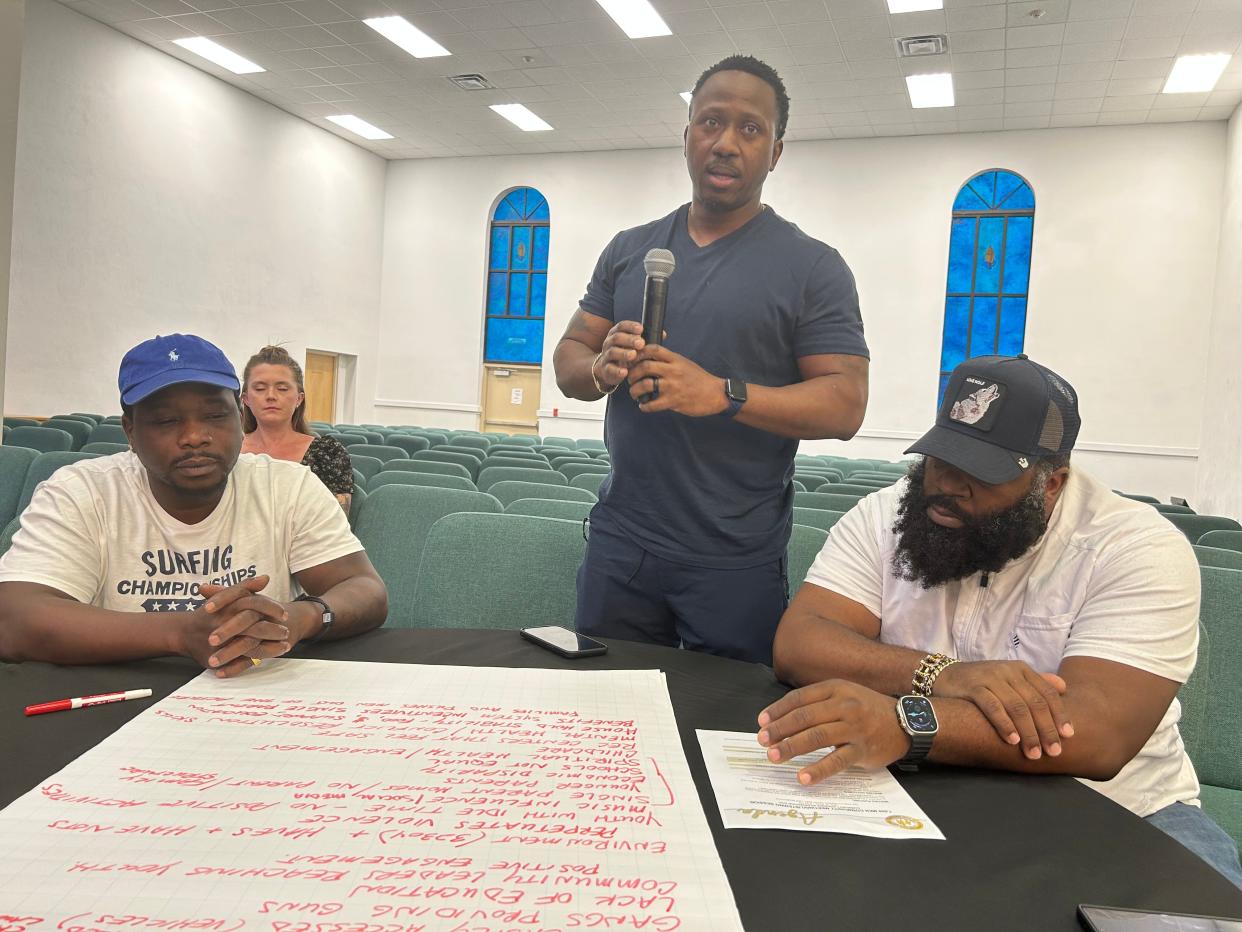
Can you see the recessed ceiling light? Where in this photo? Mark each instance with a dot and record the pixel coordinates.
(1193, 73)
(686, 95)
(214, 52)
(930, 90)
(519, 116)
(359, 126)
(914, 6)
(400, 31)
(638, 19)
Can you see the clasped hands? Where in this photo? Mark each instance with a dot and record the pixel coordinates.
(236, 627)
(683, 386)
(860, 725)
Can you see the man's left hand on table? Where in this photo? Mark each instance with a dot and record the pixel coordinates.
(859, 723)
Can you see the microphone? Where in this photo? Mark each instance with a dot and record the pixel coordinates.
(659, 265)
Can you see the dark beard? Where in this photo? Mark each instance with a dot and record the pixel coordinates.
(932, 555)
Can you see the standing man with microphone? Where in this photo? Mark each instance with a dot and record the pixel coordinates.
(763, 346)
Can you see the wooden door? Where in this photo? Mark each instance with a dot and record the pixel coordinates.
(320, 373)
(511, 398)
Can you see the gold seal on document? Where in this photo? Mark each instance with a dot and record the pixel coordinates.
(907, 822)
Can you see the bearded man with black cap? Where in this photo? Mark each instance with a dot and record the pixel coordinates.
(1000, 608)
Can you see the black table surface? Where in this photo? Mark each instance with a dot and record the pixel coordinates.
(1022, 852)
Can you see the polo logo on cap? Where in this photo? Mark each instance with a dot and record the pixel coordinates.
(172, 355)
(1023, 462)
(972, 408)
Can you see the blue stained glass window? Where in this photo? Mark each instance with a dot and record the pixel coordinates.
(989, 270)
(538, 294)
(517, 279)
(500, 248)
(519, 293)
(521, 247)
(540, 260)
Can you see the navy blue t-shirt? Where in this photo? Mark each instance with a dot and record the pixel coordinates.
(710, 491)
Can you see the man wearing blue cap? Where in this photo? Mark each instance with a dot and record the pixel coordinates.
(1001, 609)
(240, 557)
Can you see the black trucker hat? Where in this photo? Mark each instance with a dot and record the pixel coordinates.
(1000, 414)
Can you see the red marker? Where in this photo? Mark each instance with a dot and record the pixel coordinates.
(61, 705)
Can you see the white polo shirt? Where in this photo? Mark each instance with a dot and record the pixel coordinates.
(1110, 578)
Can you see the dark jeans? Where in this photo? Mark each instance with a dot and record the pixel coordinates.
(627, 592)
(1195, 829)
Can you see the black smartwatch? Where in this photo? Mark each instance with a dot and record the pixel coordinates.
(735, 390)
(327, 616)
(917, 718)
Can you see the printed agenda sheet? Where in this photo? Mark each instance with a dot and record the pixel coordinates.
(753, 792)
(317, 796)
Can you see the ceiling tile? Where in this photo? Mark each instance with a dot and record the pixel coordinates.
(1037, 13)
(1028, 92)
(1034, 57)
(977, 17)
(1085, 71)
(1020, 76)
(1099, 9)
(1080, 91)
(979, 40)
(1095, 30)
(1028, 36)
(1089, 52)
(1149, 48)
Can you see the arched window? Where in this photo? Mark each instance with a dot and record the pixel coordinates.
(517, 278)
(989, 270)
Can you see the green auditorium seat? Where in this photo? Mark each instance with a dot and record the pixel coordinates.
(478, 441)
(93, 418)
(589, 481)
(815, 517)
(79, 430)
(436, 438)
(1140, 498)
(825, 501)
(805, 543)
(1167, 509)
(384, 453)
(393, 525)
(591, 444)
(1195, 526)
(847, 488)
(526, 440)
(108, 433)
(1218, 556)
(434, 455)
(478, 454)
(429, 466)
(493, 474)
(408, 443)
(517, 462)
(21, 422)
(43, 439)
(564, 442)
(14, 465)
(367, 465)
(1213, 695)
(6, 536)
(410, 477)
(530, 564)
(349, 439)
(355, 503)
(572, 470)
(42, 468)
(506, 449)
(550, 508)
(1226, 540)
(511, 490)
(106, 449)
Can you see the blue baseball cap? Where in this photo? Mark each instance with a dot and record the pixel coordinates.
(171, 360)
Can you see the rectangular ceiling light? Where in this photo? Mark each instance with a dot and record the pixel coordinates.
(219, 55)
(1196, 73)
(686, 95)
(400, 31)
(359, 126)
(914, 6)
(930, 90)
(638, 19)
(519, 116)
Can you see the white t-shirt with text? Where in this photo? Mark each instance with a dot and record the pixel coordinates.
(1110, 578)
(95, 532)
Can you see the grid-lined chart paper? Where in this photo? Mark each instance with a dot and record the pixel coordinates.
(318, 796)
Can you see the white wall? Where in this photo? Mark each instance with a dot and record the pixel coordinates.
(12, 16)
(1220, 463)
(153, 198)
(1127, 222)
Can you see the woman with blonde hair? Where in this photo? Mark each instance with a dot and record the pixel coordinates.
(274, 421)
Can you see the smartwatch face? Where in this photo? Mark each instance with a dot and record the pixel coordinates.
(919, 714)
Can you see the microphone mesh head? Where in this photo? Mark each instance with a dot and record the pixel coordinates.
(659, 263)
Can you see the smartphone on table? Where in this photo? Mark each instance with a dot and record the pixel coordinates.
(565, 642)
(1116, 919)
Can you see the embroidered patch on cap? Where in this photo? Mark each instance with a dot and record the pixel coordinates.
(978, 403)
